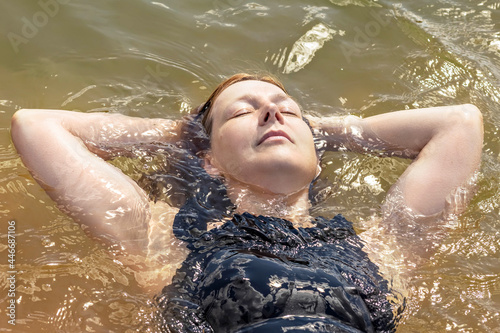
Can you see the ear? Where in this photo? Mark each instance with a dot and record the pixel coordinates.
(208, 165)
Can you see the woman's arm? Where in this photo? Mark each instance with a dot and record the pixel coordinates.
(55, 147)
(446, 143)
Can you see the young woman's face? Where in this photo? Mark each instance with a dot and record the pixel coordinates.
(259, 138)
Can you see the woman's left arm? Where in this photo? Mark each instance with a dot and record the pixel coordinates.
(445, 143)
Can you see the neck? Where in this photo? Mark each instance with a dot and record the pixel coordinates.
(257, 201)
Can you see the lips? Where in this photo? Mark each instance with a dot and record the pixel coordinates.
(274, 134)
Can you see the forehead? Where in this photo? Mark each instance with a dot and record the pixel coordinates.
(250, 88)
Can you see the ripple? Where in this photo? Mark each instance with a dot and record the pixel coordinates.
(305, 47)
(361, 3)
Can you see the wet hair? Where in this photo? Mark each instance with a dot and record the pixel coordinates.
(183, 176)
(205, 109)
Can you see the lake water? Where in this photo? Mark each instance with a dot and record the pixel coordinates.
(161, 58)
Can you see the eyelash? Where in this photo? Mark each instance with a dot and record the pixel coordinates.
(284, 110)
(288, 111)
(241, 112)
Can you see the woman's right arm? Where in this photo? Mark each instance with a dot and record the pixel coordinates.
(66, 151)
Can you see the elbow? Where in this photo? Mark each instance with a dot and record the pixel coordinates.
(19, 118)
(33, 117)
(465, 128)
(472, 113)
(20, 123)
(23, 120)
(30, 123)
(468, 119)
(472, 121)
(23, 115)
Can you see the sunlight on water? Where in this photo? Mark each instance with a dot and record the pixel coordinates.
(162, 58)
(305, 47)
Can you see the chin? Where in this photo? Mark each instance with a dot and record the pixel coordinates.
(277, 174)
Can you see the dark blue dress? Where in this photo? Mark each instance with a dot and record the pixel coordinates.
(261, 274)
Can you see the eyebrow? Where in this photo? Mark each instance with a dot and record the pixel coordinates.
(274, 97)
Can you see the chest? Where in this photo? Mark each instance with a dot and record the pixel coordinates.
(247, 285)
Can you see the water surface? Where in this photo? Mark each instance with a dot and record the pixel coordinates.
(161, 58)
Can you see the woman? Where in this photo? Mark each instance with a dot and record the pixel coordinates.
(265, 263)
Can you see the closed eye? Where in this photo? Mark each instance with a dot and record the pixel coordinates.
(288, 111)
(289, 108)
(242, 112)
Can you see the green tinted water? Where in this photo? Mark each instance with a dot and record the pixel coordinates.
(161, 58)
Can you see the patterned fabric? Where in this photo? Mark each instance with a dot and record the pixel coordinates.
(261, 274)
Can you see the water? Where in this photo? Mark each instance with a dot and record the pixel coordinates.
(160, 58)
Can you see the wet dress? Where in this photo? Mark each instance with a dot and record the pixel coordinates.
(261, 274)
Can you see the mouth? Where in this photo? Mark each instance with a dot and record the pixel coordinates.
(274, 134)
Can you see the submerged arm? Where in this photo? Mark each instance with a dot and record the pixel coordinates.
(55, 147)
(445, 143)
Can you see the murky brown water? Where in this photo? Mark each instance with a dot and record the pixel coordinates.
(160, 58)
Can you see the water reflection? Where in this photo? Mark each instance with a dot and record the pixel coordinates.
(465, 264)
(305, 47)
(159, 58)
(361, 3)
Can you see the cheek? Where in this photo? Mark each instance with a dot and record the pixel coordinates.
(230, 145)
(308, 148)
(230, 139)
(306, 137)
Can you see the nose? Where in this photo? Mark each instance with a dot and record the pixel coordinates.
(270, 113)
